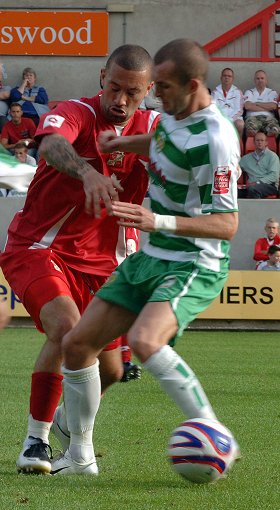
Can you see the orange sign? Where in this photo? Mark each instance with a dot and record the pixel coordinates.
(54, 33)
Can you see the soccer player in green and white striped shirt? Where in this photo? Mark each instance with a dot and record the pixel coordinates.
(182, 268)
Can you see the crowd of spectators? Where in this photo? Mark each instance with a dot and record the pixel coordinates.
(255, 114)
(254, 110)
(20, 110)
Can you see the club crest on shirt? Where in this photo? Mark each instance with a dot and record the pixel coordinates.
(160, 138)
(116, 159)
(53, 120)
(221, 180)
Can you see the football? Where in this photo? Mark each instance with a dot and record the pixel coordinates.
(202, 450)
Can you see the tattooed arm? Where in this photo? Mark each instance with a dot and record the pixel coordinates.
(59, 153)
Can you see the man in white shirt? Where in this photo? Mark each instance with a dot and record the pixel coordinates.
(260, 104)
(230, 99)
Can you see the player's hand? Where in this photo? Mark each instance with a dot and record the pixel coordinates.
(133, 215)
(108, 141)
(99, 188)
(4, 317)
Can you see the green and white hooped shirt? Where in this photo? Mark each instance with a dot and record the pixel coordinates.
(193, 171)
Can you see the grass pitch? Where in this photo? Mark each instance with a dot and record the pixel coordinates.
(240, 374)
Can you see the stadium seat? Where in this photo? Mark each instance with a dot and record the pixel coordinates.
(272, 143)
(241, 147)
(241, 183)
(249, 145)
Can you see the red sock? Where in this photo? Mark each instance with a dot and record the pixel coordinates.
(125, 350)
(46, 390)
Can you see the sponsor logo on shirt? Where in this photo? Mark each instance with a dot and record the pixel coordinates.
(221, 180)
(53, 120)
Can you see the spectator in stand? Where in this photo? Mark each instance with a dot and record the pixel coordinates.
(260, 104)
(263, 243)
(230, 99)
(32, 97)
(18, 129)
(21, 154)
(262, 170)
(4, 97)
(273, 262)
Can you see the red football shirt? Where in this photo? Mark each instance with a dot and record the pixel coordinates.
(15, 132)
(53, 215)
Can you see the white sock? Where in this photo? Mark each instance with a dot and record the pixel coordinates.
(37, 429)
(61, 418)
(82, 391)
(178, 380)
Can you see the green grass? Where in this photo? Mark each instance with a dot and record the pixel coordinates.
(240, 373)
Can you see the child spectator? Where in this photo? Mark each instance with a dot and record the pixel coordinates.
(273, 262)
(21, 153)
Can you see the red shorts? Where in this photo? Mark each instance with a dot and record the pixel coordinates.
(38, 276)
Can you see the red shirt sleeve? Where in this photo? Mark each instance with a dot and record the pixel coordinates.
(66, 119)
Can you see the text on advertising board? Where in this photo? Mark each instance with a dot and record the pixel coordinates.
(54, 33)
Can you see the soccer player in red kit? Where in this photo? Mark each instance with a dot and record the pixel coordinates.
(65, 242)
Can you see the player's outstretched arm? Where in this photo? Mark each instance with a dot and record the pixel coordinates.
(59, 153)
(217, 225)
(109, 141)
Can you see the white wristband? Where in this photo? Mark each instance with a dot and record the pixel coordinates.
(165, 223)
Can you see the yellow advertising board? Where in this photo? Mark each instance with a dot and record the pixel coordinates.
(246, 295)
(14, 305)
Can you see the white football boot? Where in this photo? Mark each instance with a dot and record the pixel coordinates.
(65, 465)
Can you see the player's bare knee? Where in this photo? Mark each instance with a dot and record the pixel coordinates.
(58, 328)
(141, 343)
(73, 352)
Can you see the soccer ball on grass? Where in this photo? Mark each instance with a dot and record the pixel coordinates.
(202, 450)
